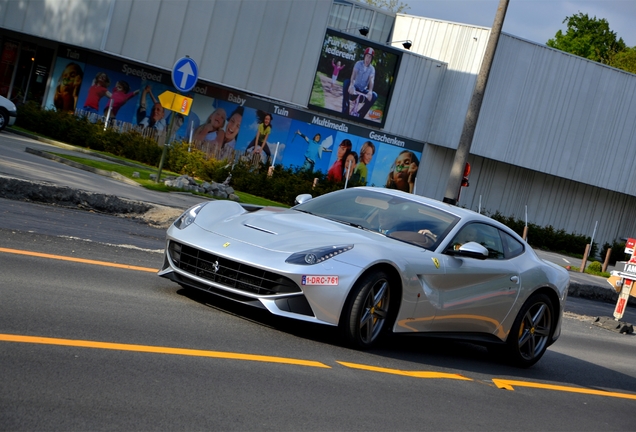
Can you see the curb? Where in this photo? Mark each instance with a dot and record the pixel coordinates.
(597, 293)
(23, 190)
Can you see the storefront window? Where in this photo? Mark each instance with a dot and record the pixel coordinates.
(8, 57)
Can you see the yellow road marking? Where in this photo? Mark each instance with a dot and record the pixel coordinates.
(159, 350)
(500, 383)
(414, 374)
(509, 385)
(79, 260)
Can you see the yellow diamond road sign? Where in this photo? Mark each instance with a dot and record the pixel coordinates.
(175, 102)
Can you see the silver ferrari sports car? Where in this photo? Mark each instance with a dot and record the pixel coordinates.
(373, 261)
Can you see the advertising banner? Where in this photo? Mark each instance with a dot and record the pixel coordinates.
(225, 123)
(354, 78)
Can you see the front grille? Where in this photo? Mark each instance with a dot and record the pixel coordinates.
(229, 273)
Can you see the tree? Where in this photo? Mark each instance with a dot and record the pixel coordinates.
(588, 37)
(393, 5)
(625, 60)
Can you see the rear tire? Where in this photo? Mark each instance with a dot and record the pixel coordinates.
(366, 312)
(531, 332)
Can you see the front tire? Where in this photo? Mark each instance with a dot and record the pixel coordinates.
(4, 119)
(531, 332)
(366, 313)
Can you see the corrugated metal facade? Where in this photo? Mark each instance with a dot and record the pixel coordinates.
(564, 204)
(556, 133)
(559, 114)
(415, 96)
(461, 47)
(267, 48)
(74, 22)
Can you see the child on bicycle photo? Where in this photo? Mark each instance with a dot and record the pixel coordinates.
(358, 95)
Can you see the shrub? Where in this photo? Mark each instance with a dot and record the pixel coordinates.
(183, 159)
(595, 266)
(617, 254)
(548, 238)
(78, 131)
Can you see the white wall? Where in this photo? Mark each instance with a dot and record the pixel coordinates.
(267, 48)
(415, 97)
(262, 47)
(75, 22)
(559, 114)
(543, 109)
(461, 47)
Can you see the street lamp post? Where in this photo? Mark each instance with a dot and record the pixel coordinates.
(470, 123)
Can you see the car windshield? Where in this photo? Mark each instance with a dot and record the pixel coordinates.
(395, 217)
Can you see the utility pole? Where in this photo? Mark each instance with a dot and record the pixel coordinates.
(470, 123)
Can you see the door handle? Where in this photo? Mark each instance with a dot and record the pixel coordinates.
(514, 279)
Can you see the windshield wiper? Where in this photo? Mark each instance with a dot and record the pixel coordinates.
(304, 211)
(352, 224)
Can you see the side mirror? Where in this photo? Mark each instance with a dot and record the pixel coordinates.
(471, 250)
(303, 198)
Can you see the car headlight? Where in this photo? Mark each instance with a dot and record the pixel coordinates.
(187, 218)
(315, 256)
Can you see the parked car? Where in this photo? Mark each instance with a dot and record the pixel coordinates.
(374, 261)
(8, 113)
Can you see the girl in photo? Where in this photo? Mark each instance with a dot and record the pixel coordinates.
(403, 172)
(336, 172)
(97, 90)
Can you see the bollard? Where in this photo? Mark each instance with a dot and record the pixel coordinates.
(607, 258)
(525, 233)
(584, 261)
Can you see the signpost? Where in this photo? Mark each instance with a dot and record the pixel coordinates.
(624, 281)
(628, 276)
(185, 74)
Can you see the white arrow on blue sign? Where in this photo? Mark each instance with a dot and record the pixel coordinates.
(185, 74)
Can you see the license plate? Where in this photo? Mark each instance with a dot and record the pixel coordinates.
(320, 280)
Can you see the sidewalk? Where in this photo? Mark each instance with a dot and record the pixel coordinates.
(30, 175)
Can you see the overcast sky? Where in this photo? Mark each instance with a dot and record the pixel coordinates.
(534, 20)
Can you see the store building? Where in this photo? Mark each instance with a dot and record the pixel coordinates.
(555, 138)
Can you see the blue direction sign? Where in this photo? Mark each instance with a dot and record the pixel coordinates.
(185, 74)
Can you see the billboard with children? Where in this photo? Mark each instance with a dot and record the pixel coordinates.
(354, 78)
(226, 124)
(66, 82)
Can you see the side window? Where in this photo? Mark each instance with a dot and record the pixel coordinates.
(512, 246)
(486, 235)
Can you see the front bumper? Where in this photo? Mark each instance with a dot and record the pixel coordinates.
(254, 276)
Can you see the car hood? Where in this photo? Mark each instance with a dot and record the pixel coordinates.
(278, 229)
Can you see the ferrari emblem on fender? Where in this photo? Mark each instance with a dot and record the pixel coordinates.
(436, 262)
(226, 244)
